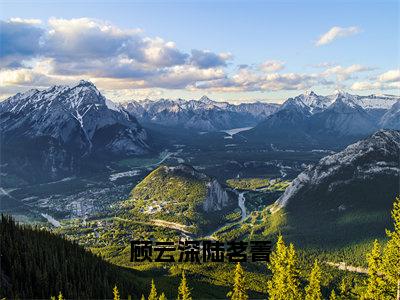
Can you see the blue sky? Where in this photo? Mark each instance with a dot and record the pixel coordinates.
(229, 50)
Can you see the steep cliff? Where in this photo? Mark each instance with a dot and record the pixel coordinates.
(182, 195)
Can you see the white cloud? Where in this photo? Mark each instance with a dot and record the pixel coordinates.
(385, 81)
(365, 85)
(368, 85)
(270, 66)
(345, 73)
(26, 21)
(248, 80)
(62, 51)
(390, 76)
(336, 32)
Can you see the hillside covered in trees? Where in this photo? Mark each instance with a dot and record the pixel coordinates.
(38, 264)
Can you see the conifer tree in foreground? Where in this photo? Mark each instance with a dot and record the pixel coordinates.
(60, 296)
(153, 291)
(344, 289)
(239, 286)
(313, 290)
(162, 297)
(116, 293)
(333, 295)
(183, 290)
(284, 283)
(375, 283)
(391, 255)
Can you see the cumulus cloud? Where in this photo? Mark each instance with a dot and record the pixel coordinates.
(85, 47)
(390, 76)
(368, 85)
(385, 81)
(345, 73)
(270, 66)
(336, 32)
(19, 40)
(61, 51)
(249, 80)
(206, 59)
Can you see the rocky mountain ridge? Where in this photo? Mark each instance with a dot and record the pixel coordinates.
(62, 125)
(203, 114)
(374, 156)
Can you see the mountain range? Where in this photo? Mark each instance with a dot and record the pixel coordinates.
(53, 130)
(58, 130)
(346, 196)
(203, 114)
(337, 120)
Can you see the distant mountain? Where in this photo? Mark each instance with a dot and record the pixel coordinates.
(344, 117)
(55, 129)
(289, 123)
(347, 195)
(311, 120)
(180, 197)
(391, 119)
(203, 114)
(314, 102)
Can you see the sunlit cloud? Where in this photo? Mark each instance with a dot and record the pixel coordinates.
(272, 66)
(388, 80)
(345, 73)
(335, 33)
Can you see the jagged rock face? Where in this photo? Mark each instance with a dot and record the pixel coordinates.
(369, 159)
(391, 119)
(314, 102)
(203, 114)
(217, 197)
(65, 124)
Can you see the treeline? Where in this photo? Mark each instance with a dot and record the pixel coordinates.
(38, 264)
(383, 280)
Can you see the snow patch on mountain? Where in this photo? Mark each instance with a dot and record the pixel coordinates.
(365, 158)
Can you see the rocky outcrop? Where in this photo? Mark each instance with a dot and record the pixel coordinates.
(368, 159)
(217, 197)
(391, 119)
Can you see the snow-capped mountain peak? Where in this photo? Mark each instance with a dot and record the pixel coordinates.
(78, 119)
(205, 99)
(314, 102)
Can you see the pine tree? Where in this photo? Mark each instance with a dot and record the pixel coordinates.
(344, 289)
(391, 255)
(116, 293)
(293, 273)
(375, 283)
(313, 290)
(60, 296)
(153, 291)
(333, 295)
(142, 298)
(162, 297)
(239, 286)
(183, 290)
(284, 283)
